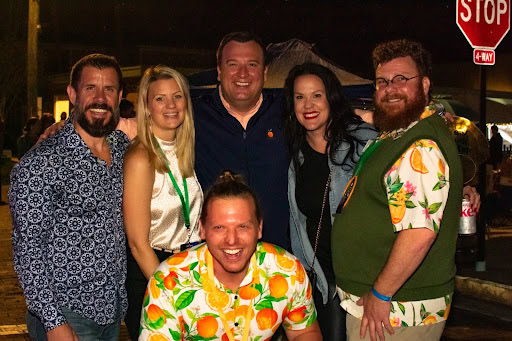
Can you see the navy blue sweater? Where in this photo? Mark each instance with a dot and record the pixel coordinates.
(259, 153)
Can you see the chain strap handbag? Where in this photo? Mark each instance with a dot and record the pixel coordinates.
(311, 272)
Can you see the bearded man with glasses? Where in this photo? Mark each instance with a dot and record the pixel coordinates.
(395, 267)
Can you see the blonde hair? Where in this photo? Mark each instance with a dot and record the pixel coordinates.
(185, 134)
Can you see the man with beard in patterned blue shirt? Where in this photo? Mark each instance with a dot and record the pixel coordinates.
(65, 195)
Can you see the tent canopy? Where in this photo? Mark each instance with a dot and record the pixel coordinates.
(282, 57)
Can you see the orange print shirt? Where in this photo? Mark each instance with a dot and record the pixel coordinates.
(182, 304)
(417, 186)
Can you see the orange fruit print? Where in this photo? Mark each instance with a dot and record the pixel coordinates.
(158, 337)
(155, 290)
(266, 318)
(207, 326)
(397, 213)
(177, 258)
(300, 272)
(170, 280)
(217, 299)
(440, 164)
(247, 292)
(417, 162)
(269, 248)
(309, 291)
(241, 311)
(285, 263)
(297, 314)
(278, 286)
(225, 336)
(430, 320)
(156, 317)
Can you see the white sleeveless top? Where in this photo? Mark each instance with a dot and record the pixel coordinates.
(168, 230)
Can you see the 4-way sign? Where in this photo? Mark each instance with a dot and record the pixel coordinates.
(484, 24)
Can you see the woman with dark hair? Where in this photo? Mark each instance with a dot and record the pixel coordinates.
(326, 139)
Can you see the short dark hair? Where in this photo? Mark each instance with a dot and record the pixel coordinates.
(241, 37)
(97, 60)
(230, 185)
(390, 50)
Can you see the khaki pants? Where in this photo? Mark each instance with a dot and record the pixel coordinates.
(432, 332)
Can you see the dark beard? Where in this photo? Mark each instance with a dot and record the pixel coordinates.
(385, 120)
(96, 128)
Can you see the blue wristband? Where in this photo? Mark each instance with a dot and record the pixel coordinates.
(380, 296)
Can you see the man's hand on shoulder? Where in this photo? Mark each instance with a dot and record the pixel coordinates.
(375, 315)
(62, 333)
(51, 130)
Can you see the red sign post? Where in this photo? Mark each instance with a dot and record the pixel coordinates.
(484, 22)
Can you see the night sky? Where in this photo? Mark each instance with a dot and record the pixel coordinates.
(343, 31)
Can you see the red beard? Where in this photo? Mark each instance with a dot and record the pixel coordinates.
(388, 118)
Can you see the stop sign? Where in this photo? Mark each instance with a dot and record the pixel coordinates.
(483, 22)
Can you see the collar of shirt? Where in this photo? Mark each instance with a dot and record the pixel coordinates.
(115, 139)
(201, 253)
(243, 118)
(395, 134)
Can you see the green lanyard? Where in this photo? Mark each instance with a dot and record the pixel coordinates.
(185, 205)
(366, 155)
(347, 193)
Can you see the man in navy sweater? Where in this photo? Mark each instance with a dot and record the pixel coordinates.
(238, 128)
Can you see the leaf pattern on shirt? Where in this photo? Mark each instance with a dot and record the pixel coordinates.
(181, 302)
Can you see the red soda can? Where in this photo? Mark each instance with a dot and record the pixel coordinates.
(467, 223)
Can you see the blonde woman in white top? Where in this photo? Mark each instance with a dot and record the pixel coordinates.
(162, 198)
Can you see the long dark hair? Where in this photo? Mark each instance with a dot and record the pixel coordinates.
(342, 119)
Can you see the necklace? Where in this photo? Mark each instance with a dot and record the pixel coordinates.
(255, 280)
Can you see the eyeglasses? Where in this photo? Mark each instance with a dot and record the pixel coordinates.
(398, 81)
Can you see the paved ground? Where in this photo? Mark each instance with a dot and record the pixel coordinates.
(471, 318)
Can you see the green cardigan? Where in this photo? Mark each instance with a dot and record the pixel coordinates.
(363, 234)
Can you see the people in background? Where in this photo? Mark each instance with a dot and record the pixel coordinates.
(495, 147)
(127, 109)
(29, 137)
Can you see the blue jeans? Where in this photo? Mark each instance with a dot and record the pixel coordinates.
(85, 329)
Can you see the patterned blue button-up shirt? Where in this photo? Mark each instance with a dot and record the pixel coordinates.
(68, 235)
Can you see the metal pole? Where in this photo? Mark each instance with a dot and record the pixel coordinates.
(480, 258)
(33, 26)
